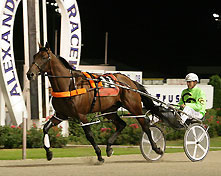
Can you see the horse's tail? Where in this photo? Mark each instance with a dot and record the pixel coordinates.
(147, 102)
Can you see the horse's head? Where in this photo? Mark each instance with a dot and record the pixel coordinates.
(41, 63)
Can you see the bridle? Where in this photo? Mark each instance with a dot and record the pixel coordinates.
(47, 60)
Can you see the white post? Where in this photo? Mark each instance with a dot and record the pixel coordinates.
(45, 40)
(24, 141)
(37, 19)
(26, 91)
(25, 30)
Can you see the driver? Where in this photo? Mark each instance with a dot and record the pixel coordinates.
(193, 99)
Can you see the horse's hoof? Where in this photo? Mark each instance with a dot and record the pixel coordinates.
(49, 155)
(100, 162)
(110, 152)
(159, 151)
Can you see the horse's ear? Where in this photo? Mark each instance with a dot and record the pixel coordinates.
(39, 44)
(47, 46)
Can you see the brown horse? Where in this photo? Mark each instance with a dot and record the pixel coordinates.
(65, 79)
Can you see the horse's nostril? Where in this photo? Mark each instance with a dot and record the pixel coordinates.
(30, 75)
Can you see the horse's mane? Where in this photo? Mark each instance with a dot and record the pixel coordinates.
(63, 61)
(66, 64)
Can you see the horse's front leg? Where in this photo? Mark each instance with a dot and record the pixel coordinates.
(90, 138)
(54, 121)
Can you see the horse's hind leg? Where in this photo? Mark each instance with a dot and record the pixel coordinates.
(50, 123)
(120, 125)
(146, 128)
(135, 108)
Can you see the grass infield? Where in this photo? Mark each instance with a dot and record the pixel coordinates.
(39, 153)
(16, 154)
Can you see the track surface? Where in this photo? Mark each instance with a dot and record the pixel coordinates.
(176, 164)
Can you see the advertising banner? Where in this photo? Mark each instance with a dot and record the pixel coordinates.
(172, 93)
(70, 47)
(8, 75)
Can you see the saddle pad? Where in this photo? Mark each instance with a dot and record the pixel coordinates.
(108, 89)
(105, 89)
(104, 92)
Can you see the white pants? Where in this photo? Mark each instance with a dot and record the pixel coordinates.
(190, 111)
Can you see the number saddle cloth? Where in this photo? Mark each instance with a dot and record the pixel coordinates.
(103, 89)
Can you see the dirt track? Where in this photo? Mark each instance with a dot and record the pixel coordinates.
(176, 164)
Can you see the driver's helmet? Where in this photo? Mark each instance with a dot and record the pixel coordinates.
(192, 77)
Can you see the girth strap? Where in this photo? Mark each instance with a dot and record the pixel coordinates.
(69, 93)
(95, 85)
(96, 90)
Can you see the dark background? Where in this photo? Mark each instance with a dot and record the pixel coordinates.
(160, 38)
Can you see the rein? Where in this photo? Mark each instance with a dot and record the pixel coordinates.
(52, 76)
(71, 92)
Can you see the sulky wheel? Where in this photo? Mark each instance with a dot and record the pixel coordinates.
(196, 142)
(145, 145)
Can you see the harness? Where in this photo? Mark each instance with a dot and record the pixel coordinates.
(91, 81)
(94, 81)
(69, 93)
(95, 85)
(80, 91)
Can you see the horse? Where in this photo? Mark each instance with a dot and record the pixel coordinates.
(64, 78)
